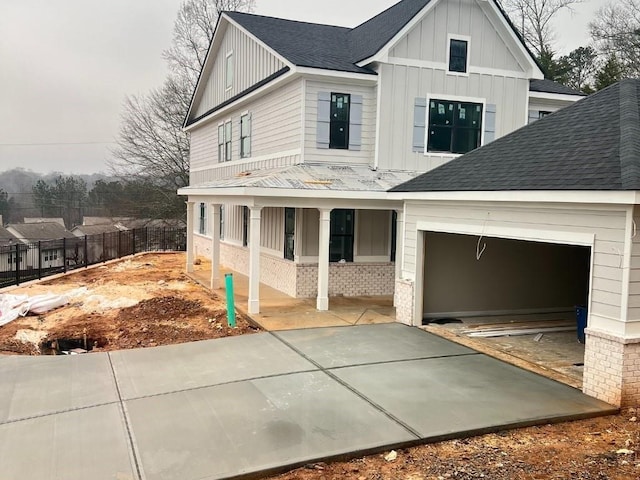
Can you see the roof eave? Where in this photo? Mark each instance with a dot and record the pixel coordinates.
(607, 197)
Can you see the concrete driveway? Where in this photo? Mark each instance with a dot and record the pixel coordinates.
(222, 408)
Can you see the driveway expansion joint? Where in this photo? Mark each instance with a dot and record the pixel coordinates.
(132, 443)
(57, 412)
(351, 389)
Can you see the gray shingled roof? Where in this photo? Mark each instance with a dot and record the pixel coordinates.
(327, 46)
(339, 48)
(593, 144)
(40, 231)
(549, 86)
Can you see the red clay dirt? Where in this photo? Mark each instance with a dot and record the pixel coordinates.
(148, 300)
(144, 301)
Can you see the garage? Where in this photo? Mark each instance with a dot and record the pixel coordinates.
(513, 296)
(509, 227)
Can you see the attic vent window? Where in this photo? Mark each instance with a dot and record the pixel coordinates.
(458, 50)
(229, 70)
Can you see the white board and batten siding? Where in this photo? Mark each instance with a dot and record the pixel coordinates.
(363, 98)
(275, 136)
(416, 71)
(633, 308)
(251, 64)
(608, 225)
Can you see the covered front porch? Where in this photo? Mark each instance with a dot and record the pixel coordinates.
(312, 232)
(279, 311)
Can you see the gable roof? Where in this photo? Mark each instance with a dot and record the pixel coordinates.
(337, 48)
(549, 86)
(593, 144)
(40, 231)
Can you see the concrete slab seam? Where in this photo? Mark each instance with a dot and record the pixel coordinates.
(230, 382)
(353, 390)
(57, 412)
(402, 360)
(133, 448)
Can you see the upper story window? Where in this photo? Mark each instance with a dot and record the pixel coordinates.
(458, 55)
(454, 127)
(543, 113)
(221, 143)
(228, 74)
(339, 117)
(245, 135)
(227, 141)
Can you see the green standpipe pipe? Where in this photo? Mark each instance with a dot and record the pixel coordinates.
(231, 307)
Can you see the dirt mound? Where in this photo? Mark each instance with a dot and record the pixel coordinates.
(140, 302)
(162, 308)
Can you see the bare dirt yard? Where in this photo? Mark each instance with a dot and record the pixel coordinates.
(147, 300)
(143, 301)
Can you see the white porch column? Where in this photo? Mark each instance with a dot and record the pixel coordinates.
(322, 302)
(190, 207)
(254, 259)
(214, 221)
(399, 245)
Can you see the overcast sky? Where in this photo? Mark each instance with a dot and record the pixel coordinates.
(66, 66)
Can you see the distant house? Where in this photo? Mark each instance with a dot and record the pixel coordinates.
(59, 221)
(89, 221)
(102, 240)
(48, 236)
(9, 246)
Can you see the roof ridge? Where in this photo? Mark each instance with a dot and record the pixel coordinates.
(629, 135)
(233, 12)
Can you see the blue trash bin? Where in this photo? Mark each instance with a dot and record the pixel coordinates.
(581, 320)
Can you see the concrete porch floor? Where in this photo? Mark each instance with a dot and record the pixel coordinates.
(279, 311)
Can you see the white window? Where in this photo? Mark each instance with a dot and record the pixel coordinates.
(245, 135)
(221, 143)
(458, 54)
(229, 71)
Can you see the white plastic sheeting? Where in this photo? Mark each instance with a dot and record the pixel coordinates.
(14, 306)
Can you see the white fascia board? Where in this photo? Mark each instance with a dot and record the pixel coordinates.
(555, 96)
(618, 197)
(274, 197)
(246, 98)
(534, 72)
(324, 74)
(382, 55)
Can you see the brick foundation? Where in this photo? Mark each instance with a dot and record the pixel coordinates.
(403, 300)
(301, 280)
(348, 279)
(612, 368)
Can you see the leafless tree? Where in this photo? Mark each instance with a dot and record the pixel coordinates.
(616, 31)
(534, 19)
(193, 31)
(152, 146)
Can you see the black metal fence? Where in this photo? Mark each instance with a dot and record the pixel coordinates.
(23, 262)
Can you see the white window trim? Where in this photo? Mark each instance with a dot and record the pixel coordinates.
(451, 98)
(228, 86)
(221, 159)
(225, 123)
(464, 38)
(246, 113)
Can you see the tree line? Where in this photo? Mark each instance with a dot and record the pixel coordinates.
(69, 198)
